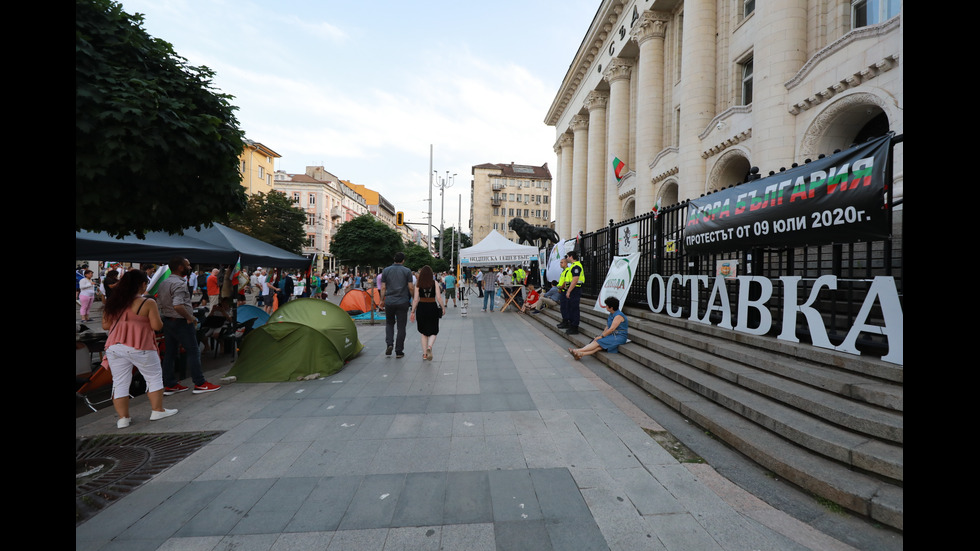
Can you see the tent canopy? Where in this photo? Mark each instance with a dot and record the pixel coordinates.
(496, 249)
(303, 337)
(215, 245)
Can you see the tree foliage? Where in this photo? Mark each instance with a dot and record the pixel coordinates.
(365, 241)
(450, 249)
(156, 148)
(417, 256)
(273, 218)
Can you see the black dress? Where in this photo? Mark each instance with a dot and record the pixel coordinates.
(427, 313)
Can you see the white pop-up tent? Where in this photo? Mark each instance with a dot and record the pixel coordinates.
(495, 249)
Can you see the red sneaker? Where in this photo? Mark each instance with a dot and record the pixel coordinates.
(206, 387)
(171, 390)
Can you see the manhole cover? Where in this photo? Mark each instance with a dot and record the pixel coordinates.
(109, 467)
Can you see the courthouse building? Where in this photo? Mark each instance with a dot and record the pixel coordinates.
(688, 95)
(501, 192)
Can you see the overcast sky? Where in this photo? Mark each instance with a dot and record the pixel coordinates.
(363, 88)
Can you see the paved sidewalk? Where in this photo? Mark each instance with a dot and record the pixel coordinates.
(502, 442)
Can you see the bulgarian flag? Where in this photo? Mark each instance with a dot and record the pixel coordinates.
(656, 208)
(237, 270)
(159, 276)
(618, 167)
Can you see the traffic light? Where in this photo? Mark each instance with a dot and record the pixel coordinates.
(399, 218)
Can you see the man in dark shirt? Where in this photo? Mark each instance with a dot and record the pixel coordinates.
(397, 291)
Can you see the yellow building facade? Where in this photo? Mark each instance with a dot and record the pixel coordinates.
(257, 166)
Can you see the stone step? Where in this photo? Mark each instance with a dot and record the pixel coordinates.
(832, 400)
(794, 416)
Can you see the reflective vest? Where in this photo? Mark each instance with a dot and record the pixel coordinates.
(565, 278)
(581, 274)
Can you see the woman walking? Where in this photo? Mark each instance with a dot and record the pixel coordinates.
(615, 334)
(131, 321)
(86, 295)
(430, 305)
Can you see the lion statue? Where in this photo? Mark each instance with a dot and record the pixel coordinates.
(532, 235)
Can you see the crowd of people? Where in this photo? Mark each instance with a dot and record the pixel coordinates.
(132, 319)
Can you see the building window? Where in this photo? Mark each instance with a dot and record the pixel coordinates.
(748, 6)
(496, 211)
(545, 199)
(243, 166)
(312, 199)
(510, 212)
(872, 12)
(746, 89)
(296, 197)
(261, 171)
(311, 240)
(311, 219)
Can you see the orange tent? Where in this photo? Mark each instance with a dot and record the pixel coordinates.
(358, 301)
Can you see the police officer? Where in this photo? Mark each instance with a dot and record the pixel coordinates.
(576, 278)
(563, 280)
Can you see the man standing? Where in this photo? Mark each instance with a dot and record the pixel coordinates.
(397, 291)
(479, 282)
(563, 280)
(574, 292)
(214, 290)
(180, 330)
(450, 281)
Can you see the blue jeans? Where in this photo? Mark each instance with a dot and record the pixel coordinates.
(488, 294)
(396, 314)
(177, 333)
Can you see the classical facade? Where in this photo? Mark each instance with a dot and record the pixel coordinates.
(257, 166)
(323, 202)
(500, 192)
(689, 95)
(381, 208)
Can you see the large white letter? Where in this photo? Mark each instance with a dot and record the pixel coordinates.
(674, 278)
(744, 303)
(663, 293)
(720, 290)
(883, 289)
(818, 333)
(695, 281)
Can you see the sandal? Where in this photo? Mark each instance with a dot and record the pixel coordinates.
(574, 355)
(430, 353)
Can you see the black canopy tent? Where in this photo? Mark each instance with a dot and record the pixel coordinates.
(215, 245)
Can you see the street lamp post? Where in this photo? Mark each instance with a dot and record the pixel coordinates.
(445, 183)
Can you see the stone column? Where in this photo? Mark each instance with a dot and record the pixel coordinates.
(698, 73)
(564, 225)
(649, 35)
(595, 193)
(555, 206)
(780, 51)
(617, 74)
(580, 175)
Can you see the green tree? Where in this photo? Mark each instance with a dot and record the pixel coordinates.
(156, 148)
(417, 256)
(365, 241)
(273, 218)
(450, 249)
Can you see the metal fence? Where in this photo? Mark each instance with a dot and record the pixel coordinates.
(661, 247)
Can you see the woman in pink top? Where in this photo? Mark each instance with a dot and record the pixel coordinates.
(131, 321)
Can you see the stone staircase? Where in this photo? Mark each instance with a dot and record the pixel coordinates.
(829, 422)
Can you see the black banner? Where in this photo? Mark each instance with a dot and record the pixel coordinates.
(839, 198)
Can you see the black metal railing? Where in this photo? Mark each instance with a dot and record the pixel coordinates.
(661, 246)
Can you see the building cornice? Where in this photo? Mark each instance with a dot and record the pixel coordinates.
(886, 63)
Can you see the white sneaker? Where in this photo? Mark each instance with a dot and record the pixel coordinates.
(157, 415)
(123, 422)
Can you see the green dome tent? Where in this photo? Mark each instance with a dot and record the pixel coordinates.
(303, 337)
